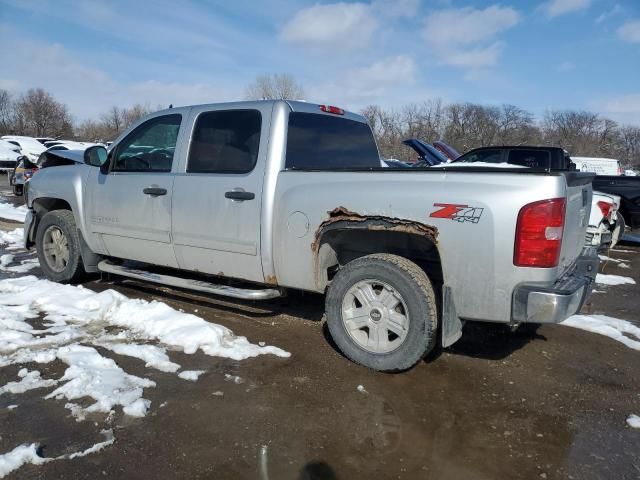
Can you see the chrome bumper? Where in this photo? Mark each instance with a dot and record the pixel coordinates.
(538, 304)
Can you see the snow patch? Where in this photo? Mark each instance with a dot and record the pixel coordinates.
(11, 212)
(614, 280)
(19, 456)
(30, 381)
(191, 375)
(92, 375)
(13, 239)
(24, 454)
(233, 378)
(137, 408)
(622, 331)
(109, 439)
(154, 356)
(633, 421)
(478, 164)
(25, 265)
(73, 314)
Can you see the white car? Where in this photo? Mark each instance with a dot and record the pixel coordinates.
(29, 146)
(9, 154)
(605, 226)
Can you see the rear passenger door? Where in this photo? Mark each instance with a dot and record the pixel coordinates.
(218, 195)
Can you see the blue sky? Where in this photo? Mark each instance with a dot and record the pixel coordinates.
(546, 54)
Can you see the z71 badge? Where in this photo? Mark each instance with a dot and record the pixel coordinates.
(459, 213)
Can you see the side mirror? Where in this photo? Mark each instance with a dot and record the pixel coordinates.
(95, 156)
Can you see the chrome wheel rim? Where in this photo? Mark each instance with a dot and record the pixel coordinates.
(56, 249)
(375, 316)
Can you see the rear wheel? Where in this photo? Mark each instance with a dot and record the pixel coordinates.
(58, 246)
(18, 190)
(381, 312)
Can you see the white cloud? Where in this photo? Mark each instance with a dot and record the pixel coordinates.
(396, 8)
(472, 42)
(608, 14)
(89, 91)
(335, 25)
(555, 8)
(630, 31)
(623, 108)
(389, 80)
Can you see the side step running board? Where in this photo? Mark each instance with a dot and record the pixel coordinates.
(200, 286)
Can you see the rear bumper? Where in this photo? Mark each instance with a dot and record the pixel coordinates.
(538, 304)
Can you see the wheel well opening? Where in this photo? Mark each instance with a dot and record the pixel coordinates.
(46, 205)
(338, 247)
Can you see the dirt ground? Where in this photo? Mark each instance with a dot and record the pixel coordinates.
(543, 402)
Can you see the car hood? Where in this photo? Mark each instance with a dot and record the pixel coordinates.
(54, 158)
(427, 152)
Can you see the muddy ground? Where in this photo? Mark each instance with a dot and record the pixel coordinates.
(543, 402)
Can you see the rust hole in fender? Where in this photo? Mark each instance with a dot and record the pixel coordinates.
(342, 218)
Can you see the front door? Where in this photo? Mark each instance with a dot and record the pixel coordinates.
(131, 205)
(216, 201)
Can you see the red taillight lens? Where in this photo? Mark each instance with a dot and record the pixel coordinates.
(539, 234)
(605, 208)
(332, 109)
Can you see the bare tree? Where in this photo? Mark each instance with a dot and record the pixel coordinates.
(6, 113)
(133, 114)
(39, 114)
(629, 145)
(280, 86)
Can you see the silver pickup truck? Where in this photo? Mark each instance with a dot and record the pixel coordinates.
(291, 195)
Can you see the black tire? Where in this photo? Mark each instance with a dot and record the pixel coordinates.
(412, 284)
(64, 221)
(18, 190)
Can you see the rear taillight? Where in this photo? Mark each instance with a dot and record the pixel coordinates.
(539, 234)
(332, 109)
(605, 208)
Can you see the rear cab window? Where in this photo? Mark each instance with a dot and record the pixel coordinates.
(326, 142)
(225, 141)
(484, 156)
(530, 158)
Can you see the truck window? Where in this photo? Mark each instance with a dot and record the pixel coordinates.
(323, 142)
(485, 156)
(225, 142)
(529, 158)
(150, 147)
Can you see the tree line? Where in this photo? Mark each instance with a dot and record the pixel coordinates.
(469, 125)
(463, 125)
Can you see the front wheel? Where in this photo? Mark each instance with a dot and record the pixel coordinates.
(58, 246)
(381, 312)
(18, 190)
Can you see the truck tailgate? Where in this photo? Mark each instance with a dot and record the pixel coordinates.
(579, 193)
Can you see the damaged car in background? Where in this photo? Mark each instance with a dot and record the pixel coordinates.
(291, 195)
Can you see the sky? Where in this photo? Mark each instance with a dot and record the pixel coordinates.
(536, 54)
